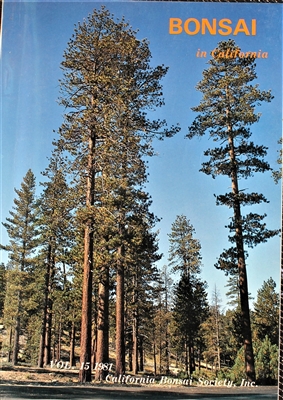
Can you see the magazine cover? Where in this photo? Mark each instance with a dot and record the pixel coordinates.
(140, 199)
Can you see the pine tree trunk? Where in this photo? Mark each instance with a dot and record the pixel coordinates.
(141, 354)
(17, 332)
(243, 280)
(72, 344)
(10, 345)
(244, 298)
(135, 345)
(102, 351)
(48, 336)
(154, 358)
(59, 340)
(120, 314)
(192, 359)
(167, 352)
(94, 348)
(160, 353)
(86, 322)
(85, 358)
(44, 321)
(130, 353)
(41, 346)
(45, 339)
(187, 356)
(16, 342)
(135, 328)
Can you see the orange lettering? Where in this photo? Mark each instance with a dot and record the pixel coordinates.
(197, 26)
(224, 23)
(253, 27)
(206, 24)
(241, 27)
(175, 26)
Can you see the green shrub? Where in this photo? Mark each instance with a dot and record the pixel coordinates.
(266, 363)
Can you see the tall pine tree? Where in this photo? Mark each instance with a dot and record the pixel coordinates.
(226, 112)
(190, 300)
(56, 239)
(108, 85)
(22, 230)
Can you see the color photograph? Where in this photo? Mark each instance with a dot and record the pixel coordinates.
(140, 199)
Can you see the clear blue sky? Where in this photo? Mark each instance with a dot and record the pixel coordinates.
(35, 35)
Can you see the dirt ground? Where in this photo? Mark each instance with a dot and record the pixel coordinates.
(45, 376)
(20, 375)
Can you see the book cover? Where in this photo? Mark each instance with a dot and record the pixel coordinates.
(141, 197)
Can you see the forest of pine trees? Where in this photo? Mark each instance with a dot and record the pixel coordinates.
(81, 284)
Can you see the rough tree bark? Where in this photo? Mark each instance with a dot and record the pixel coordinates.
(243, 280)
(120, 314)
(102, 351)
(86, 322)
